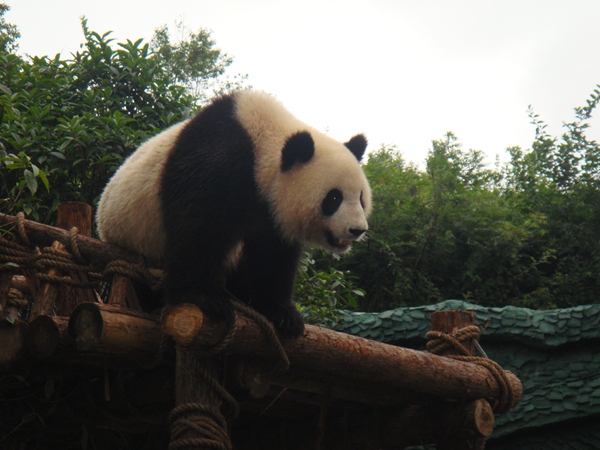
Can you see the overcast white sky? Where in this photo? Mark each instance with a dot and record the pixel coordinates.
(402, 72)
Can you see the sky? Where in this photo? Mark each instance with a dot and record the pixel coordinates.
(404, 72)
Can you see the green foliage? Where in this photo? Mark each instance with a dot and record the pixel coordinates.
(193, 61)
(9, 33)
(68, 124)
(321, 293)
(525, 233)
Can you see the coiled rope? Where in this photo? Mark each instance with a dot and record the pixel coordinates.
(439, 343)
(194, 425)
(26, 255)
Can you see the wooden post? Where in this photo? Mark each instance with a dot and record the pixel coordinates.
(75, 214)
(5, 285)
(12, 329)
(197, 379)
(197, 418)
(79, 215)
(479, 413)
(452, 321)
(44, 301)
(122, 293)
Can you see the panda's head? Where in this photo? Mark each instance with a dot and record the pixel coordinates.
(321, 195)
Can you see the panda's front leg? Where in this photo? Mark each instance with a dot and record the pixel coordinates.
(265, 278)
(196, 274)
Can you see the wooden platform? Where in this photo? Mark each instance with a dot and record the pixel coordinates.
(340, 391)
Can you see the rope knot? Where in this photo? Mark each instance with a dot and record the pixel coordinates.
(439, 343)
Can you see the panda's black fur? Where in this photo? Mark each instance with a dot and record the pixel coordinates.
(222, 234)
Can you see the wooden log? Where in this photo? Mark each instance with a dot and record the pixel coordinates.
(354, 358)
(248, 377)
(118, 291)
(454, 422)
(19, 282)
(92, 250)
(46, 335)
(366, 428)
(183, 323)
(320, 354)
(12, 342)
(108, 330)
(314, 382)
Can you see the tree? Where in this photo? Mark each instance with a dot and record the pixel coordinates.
(67, 124)
(9, 33)
(195, 62)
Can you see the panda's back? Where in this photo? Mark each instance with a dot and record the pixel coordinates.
(129, 212)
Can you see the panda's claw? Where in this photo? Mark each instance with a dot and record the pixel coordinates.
(287, 321)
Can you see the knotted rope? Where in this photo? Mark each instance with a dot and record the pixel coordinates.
(25, 255)
(207, 425)
(203, 420)
(438, 343)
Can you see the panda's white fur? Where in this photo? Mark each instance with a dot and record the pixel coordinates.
(130, 212)
(296, 195)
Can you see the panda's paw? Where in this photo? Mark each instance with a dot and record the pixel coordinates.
(218, 308)
(288, 321)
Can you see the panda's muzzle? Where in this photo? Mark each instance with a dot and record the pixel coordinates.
(343, 244)
(357, 233)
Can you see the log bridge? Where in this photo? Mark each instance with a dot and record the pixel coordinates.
(328, 390)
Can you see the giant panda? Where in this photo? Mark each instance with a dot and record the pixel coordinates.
(228, 199)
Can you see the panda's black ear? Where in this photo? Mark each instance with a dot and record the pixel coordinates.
(299, 147)
(357, 145)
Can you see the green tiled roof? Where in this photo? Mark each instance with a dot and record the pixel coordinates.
(554, 353)
(541, 328)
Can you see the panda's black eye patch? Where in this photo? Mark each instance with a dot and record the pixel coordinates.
(332, 202)
(362, 204)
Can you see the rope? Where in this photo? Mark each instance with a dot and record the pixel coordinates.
(195, 425)
(205, 421)
(265, 326)
(440, 342)
(21, 229)
(74, 247)
(71, 260)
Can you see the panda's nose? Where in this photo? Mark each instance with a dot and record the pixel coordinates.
(357, 232)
